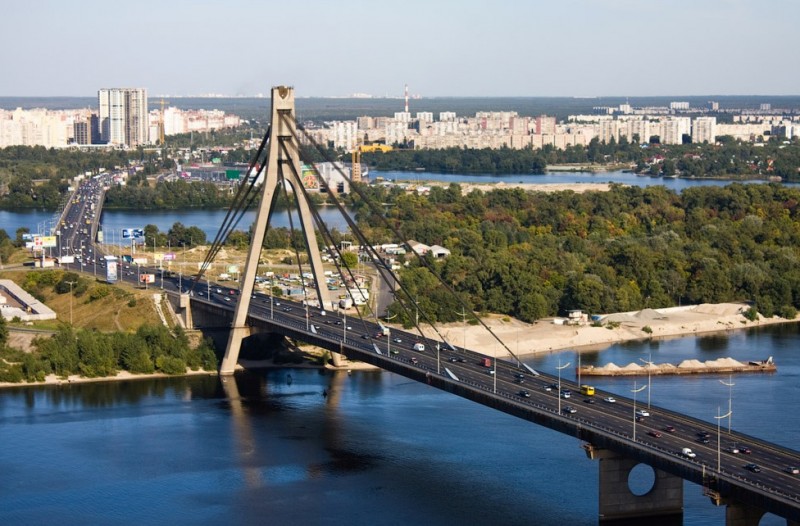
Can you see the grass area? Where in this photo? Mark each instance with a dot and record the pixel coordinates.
(124, 309)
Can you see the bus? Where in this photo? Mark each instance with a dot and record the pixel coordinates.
(587, 390)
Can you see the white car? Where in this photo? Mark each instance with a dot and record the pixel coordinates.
(642, 412)
(610, 399)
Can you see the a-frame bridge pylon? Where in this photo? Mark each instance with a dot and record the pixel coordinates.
(283, 164)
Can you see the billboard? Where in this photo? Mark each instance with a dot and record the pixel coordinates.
(45, 241)
(66, 259)
(231, 175)
(111, 272)
(135, 233)
(147, 278)
(233, 269)
(170, 256)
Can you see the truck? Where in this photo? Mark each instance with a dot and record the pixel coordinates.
(419, 346)
(688, 453)
(486, 362)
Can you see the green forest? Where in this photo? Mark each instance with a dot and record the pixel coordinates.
(533, 255)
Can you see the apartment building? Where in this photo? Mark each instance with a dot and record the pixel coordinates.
(123, 116)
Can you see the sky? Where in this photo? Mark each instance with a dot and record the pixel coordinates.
(439, 48)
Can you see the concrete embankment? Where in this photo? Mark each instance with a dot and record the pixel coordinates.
(719, 366)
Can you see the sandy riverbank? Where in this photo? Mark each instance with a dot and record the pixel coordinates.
(544, 336)
(121, 376)
(578, 188)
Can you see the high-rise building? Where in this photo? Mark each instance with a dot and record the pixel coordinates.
(704, 130)
(123, 116)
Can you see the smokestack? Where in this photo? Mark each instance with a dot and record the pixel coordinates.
(406, 98)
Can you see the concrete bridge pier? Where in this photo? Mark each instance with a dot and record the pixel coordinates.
(618, 505)
(738, 514)
(185, 311)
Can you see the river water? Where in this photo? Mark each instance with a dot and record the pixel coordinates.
(266, 447)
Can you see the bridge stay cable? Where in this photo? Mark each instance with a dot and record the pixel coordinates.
(328, 238)
(386, 274)
(398, 235)
(231, 219)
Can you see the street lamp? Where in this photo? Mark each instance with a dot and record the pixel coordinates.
(634, 391)
(438, 363)
(464, 319)
(649, 364)
(730, 385)
(388, 335)
(558, 394)
(70, 283)
(719, 418)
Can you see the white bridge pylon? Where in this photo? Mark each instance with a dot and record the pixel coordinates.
(283, 164)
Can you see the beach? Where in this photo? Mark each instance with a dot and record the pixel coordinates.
(546, 336)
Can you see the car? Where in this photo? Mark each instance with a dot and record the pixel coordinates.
(654, 433)
(791, 470)
(610, 400)
(397, 340)
(703, 434)
(753, 467)
(588, 400)
(525, 394)
(287, 309)
(519, 380)
(414, 360)
(277, 303)
(688, 453)
(569, 410)
(548, 388)
(733, 450)
(365, 336)
(642, 412)
(338, 322)
(669, 429)
(703, 440)
(519, 376)
(378, 335)
(566, 393)
(462, 360)
(744, 450)
(227, 298)
(452, 360)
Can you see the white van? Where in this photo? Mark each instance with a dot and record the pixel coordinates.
(688, 453)
(419, 346)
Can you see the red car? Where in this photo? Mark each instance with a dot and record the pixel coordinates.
(654, 433)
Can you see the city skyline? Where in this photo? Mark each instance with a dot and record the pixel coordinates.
(445, 48)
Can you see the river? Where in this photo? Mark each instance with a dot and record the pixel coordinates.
(380, 449)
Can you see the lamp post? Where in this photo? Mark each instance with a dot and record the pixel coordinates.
(634, 391)
(558, 394)
(70, 283)
(649, 364)
(438, 363)
(730, 385)
(464, 319)
(271, 303)
(719, 418)
(388, 335)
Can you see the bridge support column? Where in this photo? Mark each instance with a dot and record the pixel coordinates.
(235, 338)
(185, 305)
(619, 505)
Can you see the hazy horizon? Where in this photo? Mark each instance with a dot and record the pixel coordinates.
(444, 48)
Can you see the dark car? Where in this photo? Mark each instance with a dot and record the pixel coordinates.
(569, 410)
(669, 429)
(588, 400)
(745, 450)
(525, 394)
(703, 440)
(753, 467)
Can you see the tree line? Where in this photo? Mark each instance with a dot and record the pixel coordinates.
(532, 255)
